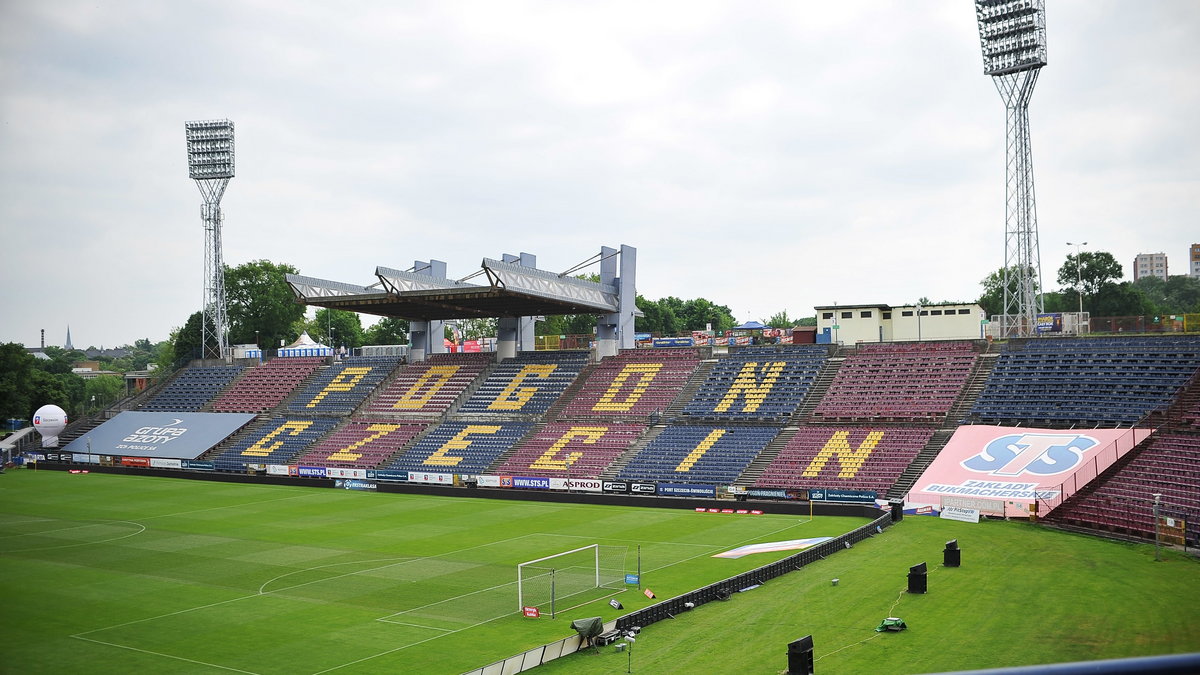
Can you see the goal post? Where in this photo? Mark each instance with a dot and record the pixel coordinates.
(546, 581)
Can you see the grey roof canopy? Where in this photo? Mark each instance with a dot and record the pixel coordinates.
(512, 291)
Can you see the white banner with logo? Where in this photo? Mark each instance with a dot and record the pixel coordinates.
(433, 478)
(577, 484)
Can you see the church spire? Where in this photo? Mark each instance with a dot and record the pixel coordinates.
(68, 346)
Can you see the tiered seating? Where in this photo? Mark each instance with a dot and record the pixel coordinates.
(1096, 381)
(265, 386)
(698, 454)
(460, 447)
(278, 442)
(428, 388)
(633, 384)
(848, 458)
(571, 450)
(1169, 464)
(343, 386)
(192, 388)
(913, 382)
(361, 444)
(527, 384)
(757, 383)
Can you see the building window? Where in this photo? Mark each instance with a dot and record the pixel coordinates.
(826, 315)
(887, 316)
(924, 312)
(864, 314)
(847, 315)
(906, 312)
(936, 312)
(964, 311)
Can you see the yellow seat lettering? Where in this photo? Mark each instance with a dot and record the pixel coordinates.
(348, 454)
(702, 447)
(426, 387)
(752, 383)
(645, 372)
(343, 381)
(461, 441)
(267, 444)
(585, 435)
(514, 396)
(850, 459)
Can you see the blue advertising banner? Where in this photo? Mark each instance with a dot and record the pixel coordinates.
(153, 434)
(310, 471)
(673, 342)
(531, 482)
(354, 484)
(198, 464)
(686, 490)
(858, 496)
(389, 474)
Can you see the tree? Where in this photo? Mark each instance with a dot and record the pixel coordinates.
(261, 304)
(16, 367)
(346, 326)
(389, 330)
(473, 329)
(1120, 300)
(658, 318)
(992, 299)
(107, 389)
(186, 341)
(1094, 270)
(566, 324)
(781, 320)
(1179, 294)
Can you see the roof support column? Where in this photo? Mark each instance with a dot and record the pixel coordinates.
(515, 333)
(427, 337)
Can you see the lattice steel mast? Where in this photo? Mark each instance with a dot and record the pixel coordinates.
(1012, 34)
(210, 164)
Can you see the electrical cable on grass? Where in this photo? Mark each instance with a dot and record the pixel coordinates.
(891, 612)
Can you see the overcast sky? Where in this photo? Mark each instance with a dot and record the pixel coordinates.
(767, 156)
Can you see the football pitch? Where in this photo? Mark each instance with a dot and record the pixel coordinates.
(111, 573)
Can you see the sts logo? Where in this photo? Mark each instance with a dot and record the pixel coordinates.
(1038, 454)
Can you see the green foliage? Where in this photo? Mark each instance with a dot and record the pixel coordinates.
(1179, 294)
(107, 389)
(1097, 269)
(346, 326)
(16, 368)
(992, 299)
(473, 329)
(671, 315)
(781, 320)
(566, 324)
(807, 321)
(261, 304)
(389, 330)
(658, 318)
(186, 341)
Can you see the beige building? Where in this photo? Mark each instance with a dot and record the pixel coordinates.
(1194, 261)
(1150, 265)
(850, 324)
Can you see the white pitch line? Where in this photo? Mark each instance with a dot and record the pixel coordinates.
(169, 656)
(82, 543)
(416, 625)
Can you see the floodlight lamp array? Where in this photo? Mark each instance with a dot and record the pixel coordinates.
(1012, 34)
(210, 149)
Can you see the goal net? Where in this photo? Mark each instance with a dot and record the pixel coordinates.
(577, 575)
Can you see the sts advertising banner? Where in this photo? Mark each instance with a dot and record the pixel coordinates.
(1016, 464)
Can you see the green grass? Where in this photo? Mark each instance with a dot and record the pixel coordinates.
(106, 573)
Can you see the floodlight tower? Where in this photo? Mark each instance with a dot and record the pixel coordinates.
(210, 164)
(1012, 34)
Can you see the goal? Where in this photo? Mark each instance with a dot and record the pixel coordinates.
(576, 574)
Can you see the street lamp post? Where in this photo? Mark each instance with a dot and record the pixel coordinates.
(1078, 274)
(919, 309)
(1157, 503)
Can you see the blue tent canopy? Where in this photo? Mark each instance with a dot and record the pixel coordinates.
(750, 325)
